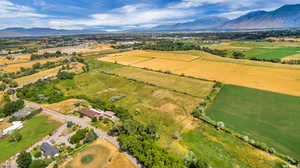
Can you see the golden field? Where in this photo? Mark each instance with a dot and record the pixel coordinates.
(283, 39)
(105, 155)
(278, 78)
(17, 67)
(17, 59)
(292, 57)
(78, 49)
(35, 77)
(75, 68)
(65, 106)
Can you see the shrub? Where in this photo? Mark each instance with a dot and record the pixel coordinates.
(24, 160)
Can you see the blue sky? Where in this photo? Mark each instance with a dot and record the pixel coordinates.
(121, 14)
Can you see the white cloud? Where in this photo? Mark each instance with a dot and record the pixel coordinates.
(194, 3)
(129, 15)
(11, 10)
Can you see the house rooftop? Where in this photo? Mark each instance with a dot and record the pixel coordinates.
(48, 149)
(89, 113)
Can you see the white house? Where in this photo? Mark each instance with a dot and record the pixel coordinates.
(16, 125)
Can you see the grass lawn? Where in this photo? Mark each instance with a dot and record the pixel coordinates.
(223, 150)
(269, 117)
(33, 130)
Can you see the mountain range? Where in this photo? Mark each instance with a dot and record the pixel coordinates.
(287, 16)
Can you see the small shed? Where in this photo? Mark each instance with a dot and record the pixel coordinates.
(49, 150)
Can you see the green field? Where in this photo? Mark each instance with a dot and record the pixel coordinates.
(271, 53)
(33, 130)
(150, 104)
(266, 116)
(224, 150)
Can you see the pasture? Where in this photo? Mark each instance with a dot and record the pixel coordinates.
(224, 150)
(17, 67)
(194, 87)
(168, 110)
(100, 154)
(33, 130)
(278, 78)
(266, 116)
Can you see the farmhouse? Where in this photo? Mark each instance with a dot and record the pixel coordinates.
(16, 125)
(22, 113)
(109, 114)
(49, 150)
(89, 113)
(93, 113)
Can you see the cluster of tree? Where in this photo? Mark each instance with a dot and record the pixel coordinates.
(11, 107)
(43, 91)
(24, 160)
(7, 82)
(85, 135)
(295, 61)
(46, 55)
(64, 75)
(274, 60)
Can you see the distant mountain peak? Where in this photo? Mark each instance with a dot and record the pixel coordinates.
(287, 16)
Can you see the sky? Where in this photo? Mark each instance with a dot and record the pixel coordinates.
(111, 15)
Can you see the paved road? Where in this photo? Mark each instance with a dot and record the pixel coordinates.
(84, 123)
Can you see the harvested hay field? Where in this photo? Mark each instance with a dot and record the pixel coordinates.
(77, 49)
(266, 76)
(100, 154)
(292, 57)
(34, 77)
(267, 116)
(137, 56)
(199, 88)
(284, 39)
(65, 106)
(17, 67)
(17, 59)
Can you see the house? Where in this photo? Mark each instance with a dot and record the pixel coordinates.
(49, 150)
(109, 114)
(22, 113)
(15, 126)
(89, 113)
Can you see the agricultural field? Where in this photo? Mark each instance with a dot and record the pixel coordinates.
(65, 106)
(290, 39)
(33, 130)
(100, 154)
(74, 67)
(265, 116)
(16, 59)
(278, 78)
(194, 87)
(35, 77)
(78, 49)
(17, 67)
(271, 53)
(169, 111)
(292, 57)
(151, 104)
(223, 150)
